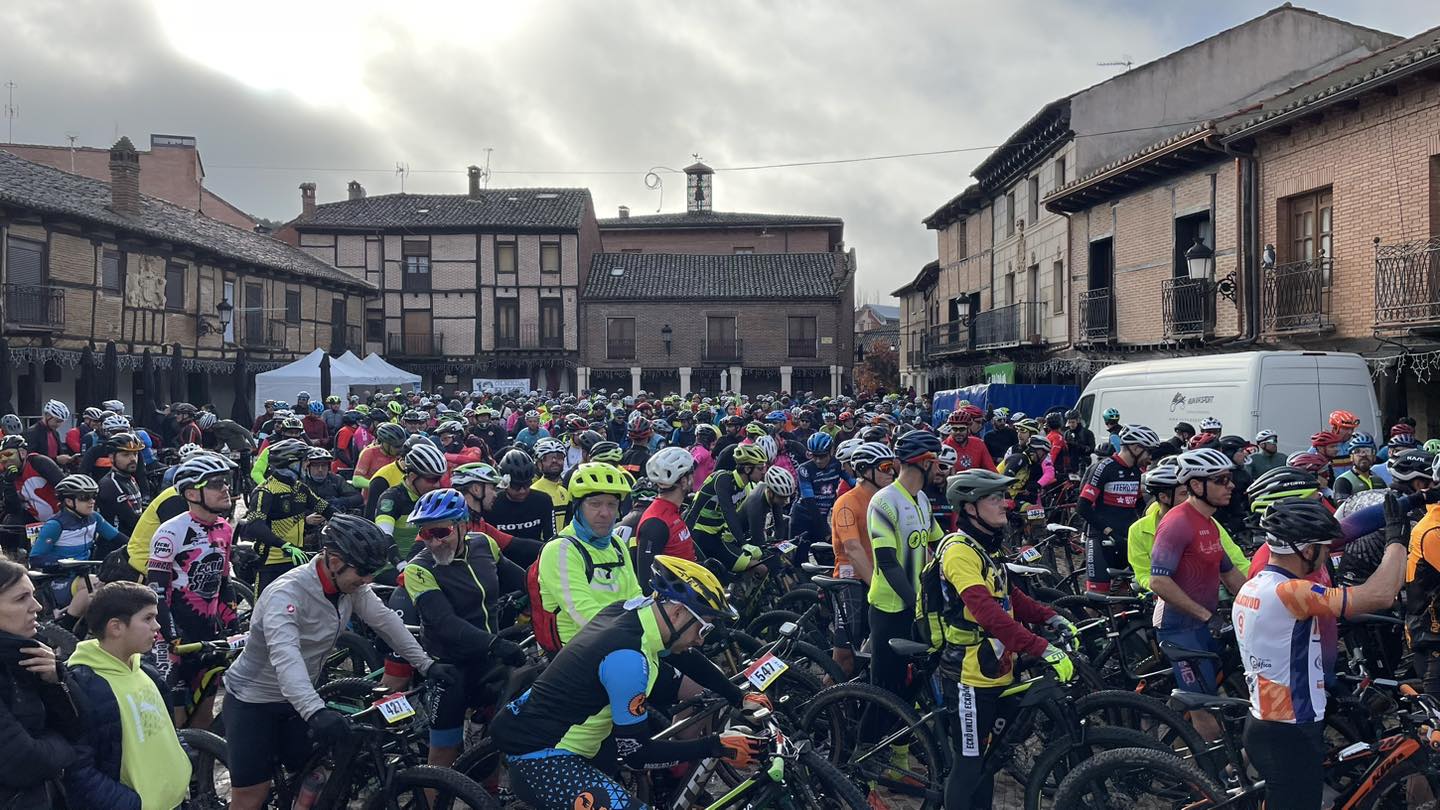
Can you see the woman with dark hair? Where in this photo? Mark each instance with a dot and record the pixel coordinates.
(39, 721)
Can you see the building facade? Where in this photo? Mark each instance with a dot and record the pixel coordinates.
(86, 263)
(478, 285)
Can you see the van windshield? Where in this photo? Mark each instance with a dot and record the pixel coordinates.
(1085, 406)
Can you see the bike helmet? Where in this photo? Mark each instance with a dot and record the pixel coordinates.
(775, 417)
(391, 434)
(771, 448)
(113, 405)
(1206, 462)
(316, 408)
(449, 427)
(608, 452)
(439, 506)
(190, 450)
(1185, 427)
(292, 423)
(73, 486)
(56, 409)
(395, 407)
(750, 455)
(1230, 445)
(11, 424)
(1139, 434)
(1293, 524)
(546, 446)
(844, 450)
(91, 414)
(1435, 468)
(206, 420)
(1210, 425)
(112, 424)
(1028, 425)
(303, 396)
(518, 465)
(1111, 415)
(874, 433)
(287, 452)
(1326, 438)
(1200, 440)
(1054, 421)
(477, 472)
(708, 429)
(755, 430)
(1000, 413)
(125, 441)
(819, 444)
(414, 415)
(183, 409)
(669, 465)
(1266, 436)
(1431, 446)
(12, 441)
(586, 440)
(1281, 482)
(1308, 461)
(1360, 440)
(973, 484)
(948, 458)
(676, 579)
(318, 454)
(592, 478)
(1344, 419)
(1164, 476)
(1402, 427)
(1403, 441)
(1040, 443)
(779, 481)
(916, 446)
(196, 470)
(644, 491)
(425, 459)
(358, 542)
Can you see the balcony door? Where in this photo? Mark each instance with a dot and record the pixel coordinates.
(254, 313)
(720, 337)
(416, 327)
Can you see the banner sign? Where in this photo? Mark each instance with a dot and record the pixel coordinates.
(490, 386)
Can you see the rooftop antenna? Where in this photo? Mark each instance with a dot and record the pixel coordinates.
(402, 170)
(1125, 62)
(486, 173)
(71, 136)
(11, 111)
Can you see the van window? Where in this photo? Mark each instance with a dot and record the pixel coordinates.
(1085, 406)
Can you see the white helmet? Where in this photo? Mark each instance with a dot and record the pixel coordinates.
(779, 481)
(57, 410)
(199, 468)
(1139, 434)
(767, 443)
(948, 457)
(1210, 423)
(113, 405)
(668, 466)
(1203, 463)
(547, 445)
(845, 448)
(869, 454)
(1165, 474)
(532, 414)
(425, 459)
(190, 450)
(1266, 436)
(114, 423)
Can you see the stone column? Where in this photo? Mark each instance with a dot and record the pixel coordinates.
(736, 373)
(836, 373)
(786, 372)
(634, 380)
(582, 378)
(684, 381)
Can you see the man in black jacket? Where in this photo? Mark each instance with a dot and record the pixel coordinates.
(1079, 442)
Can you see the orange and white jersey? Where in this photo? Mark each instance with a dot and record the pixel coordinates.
(1281, 643)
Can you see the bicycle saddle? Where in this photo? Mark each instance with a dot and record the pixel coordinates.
(814, 568)
(1194, 700)
(1177, 653)
(1027, 570)
(1105, 599)
(1121, 573)
(829, 582)
(906, 648)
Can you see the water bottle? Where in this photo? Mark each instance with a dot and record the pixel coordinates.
(310, 789)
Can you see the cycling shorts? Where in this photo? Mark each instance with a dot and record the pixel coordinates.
(260, 735)
(447, 727)
(1290, 757)
(1099, 558)
(560, 780)
(852, 618)
(1194, 674)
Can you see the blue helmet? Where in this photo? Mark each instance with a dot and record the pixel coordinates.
(317, 408)
(1361, 440)
(438, 506)
(819, 443)
(775, 416)
(1403, 440)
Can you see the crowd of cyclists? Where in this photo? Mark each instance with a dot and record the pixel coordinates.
(178, 570)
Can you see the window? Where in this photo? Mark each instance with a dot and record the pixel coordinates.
(619, 338)
(417, 335)
(1033, 192)
(744, 250)
(1187, 228)
(721, 342)
(1059, 172)
(549, 257)
(25, 262)
(112, 271)
(1057, 288)
(254, 314)
(416, 254)
(507, 322)
(505, 259)
(1032, 283)
(802, 336)
(292, 306)
(961, 248)
(175, 286)
(374, 327)
(1009, 291)
(552, 323)
(1009, 213)
(1309, 218)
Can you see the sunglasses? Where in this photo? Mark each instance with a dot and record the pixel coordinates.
(887, 467)
(85, 498)
(433, 479)
(706, 628)
(1222, 480)
(435, 532)
(217, 484)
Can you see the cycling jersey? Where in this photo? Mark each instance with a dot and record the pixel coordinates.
(1352, 481)
(714, 515)
(189, 569)
(166, 505)
(533, 517)
(120, 501)
(763, 518)
(564, 588)
(371, 460)
(848, 522)
(383, 480)
(1110, 498)
(1141, 541)
(1276, 626)
(818, 487)
(661, 530)
(1187, 549)
(1422, 582)
(559, 499)
(282, 503)
(35, 484)
(68, 536)
(392, 515)
(971, 454)
(453, 601)
(527, 437)
(904, 525)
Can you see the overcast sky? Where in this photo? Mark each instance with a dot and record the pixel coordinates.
(595, 93)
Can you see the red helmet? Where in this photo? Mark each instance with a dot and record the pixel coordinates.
(845, 416)
(1200, 440)
(1402, 429)
(1326, 438)
(1309, 462)
(971, 413)
(956, 417)
(1344, 419)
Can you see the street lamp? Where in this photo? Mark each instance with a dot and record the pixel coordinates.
(666, 333)
(1200, 266)
(226, 311)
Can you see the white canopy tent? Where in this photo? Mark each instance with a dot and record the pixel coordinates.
(382, 373)
(284, 383)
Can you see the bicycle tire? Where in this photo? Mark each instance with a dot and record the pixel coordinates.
(244, 598)
(360, 691)
(453, 790)
(209, 790)
(1137, 769)
(353, 656)
(766, 627)
(1055, 764)
(826, 712)
(57, 638)
(1117, 707)
(839, 790)
(480, 762)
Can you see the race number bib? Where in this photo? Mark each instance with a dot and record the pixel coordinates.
(1029, 554)
(785, 547)
(764, 671)
(394, 708)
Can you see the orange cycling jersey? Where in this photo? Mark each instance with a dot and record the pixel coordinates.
(847, 522)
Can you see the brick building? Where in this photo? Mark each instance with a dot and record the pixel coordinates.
(711, 300)
(478, 285)
(86, 262)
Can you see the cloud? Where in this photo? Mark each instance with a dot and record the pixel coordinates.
(279, 93)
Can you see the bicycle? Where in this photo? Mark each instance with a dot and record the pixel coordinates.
(62, 640)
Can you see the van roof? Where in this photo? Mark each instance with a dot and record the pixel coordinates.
(1213, 361)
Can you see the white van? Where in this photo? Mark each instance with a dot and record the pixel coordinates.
(1291, 393)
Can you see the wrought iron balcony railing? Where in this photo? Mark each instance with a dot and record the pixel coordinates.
(34, 307)
(1407, 283)
(1188, 307)
(423, 344)
(1295, 296)
(1097, 315)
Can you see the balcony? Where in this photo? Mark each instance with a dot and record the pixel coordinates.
(803, 348)
(949, 338)
(727, 351)
(32, 308)
(1295, 297)
(1407, 284)
(257, 333)
(1188, 308)
(1097, 316)
(1012, 325)
(423, 344)
(529, 338)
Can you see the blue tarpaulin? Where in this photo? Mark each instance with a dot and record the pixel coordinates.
(1034, 400)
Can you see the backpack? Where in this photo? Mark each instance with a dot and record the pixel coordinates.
(542, 621)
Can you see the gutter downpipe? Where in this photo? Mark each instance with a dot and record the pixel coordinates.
(1249, 245)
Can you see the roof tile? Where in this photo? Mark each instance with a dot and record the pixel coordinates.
(662, 276)
(713, 219)
(556, 208)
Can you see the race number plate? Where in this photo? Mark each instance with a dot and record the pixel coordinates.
(1035, 513)
(785, 547)
(395, 708)
(1029, 554)
(32, 532)
(237, 641)
(763, 672)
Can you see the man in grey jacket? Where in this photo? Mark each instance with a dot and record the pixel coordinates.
(270, 697)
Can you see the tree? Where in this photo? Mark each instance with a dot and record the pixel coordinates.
(880, 370)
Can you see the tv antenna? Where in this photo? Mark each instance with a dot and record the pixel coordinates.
(71, 136)
(11, 111)
(486, 173)
(1125, 62)
(402, 170)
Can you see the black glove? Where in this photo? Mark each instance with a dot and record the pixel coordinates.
(1217, 625)
(1397, 523)
(445, 674)
(328, 726)
(507, 652)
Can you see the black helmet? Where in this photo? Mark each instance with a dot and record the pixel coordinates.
(1230, 445)
(1072, 414)
(1282, 479)
(391, 434)
(287, 452)
(358, 542)
(1411, 465)
(587, 440)
(916, 443)
(1185, 427)
(974, 484)
(517, 464)
(1053, 420)
(875, 433)
(1293, 523)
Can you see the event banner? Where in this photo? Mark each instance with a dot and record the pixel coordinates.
(489, 386)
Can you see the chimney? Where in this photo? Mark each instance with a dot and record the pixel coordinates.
(624, 212)
(357, 191)
(699, 188)
(307, 199)
(474, 174)
(124, 178)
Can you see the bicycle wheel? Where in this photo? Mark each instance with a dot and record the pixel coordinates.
(766, 626)
(905, 759)
(409, 787)
(209, 773)
(482, 763)
(1059, 759)
(57, 638)
(353, 657)
(809, 666)
(244, 600)
(818, 784)
(1169, 728)
(1137, 779)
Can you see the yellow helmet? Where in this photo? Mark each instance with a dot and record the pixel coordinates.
(598, 477)
(752, 454)
(676, 579)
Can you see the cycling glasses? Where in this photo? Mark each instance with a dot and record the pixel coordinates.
(706, 628)
(887, 467)
(1223, 480)
(435, 532)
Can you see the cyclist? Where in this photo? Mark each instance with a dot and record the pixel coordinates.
(1360, 476)
(270, 697)
(453, 583)
(532, 432)
(189, 570)
(1343, 424)
(27, 490)
(289, 427)
(1162, 483)
(970, 451)
(96, 460)
(714, 518)
(1110, 501)
(1287, 659)
(1079, 441)
(121, 502)
(43, 437)
(1267, 455)
(973, 614)
(1422, 592)
(550, 456)
(424, 471)
(764, 510)
(389, 443)
(1031, 470)
(522, 509)
(662, 528)
(600, 686)
(705, 437)
(284, 506)
(328, 486)
(167, 504)
(76, 532)
(1111, 417)
(480, 483)
(902, 528)
(489, 431)
(818, 480)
